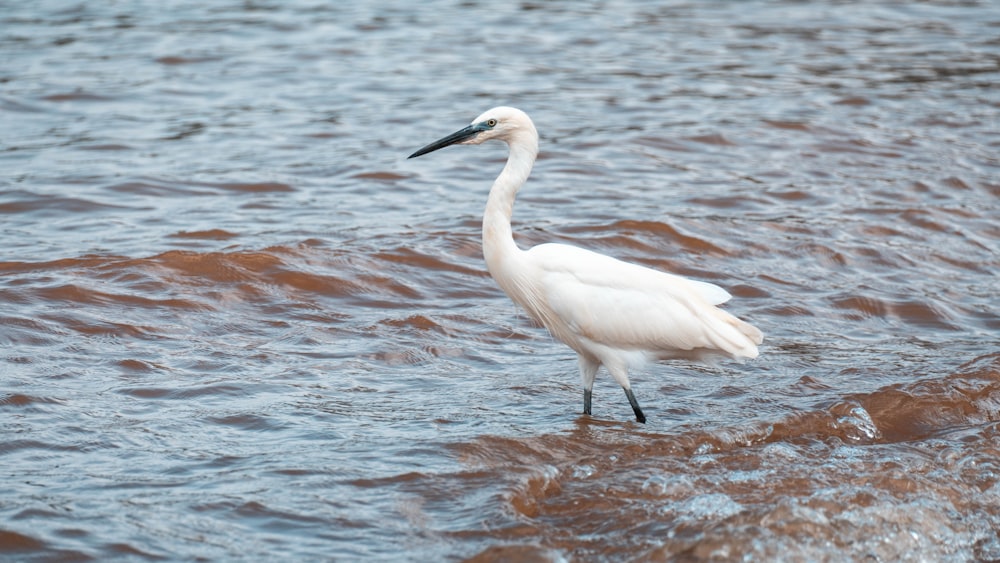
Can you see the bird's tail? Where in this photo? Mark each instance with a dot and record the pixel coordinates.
(738, 338)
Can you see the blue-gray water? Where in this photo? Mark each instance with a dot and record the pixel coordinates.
(238, 324)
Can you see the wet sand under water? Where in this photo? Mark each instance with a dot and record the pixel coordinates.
(239, 324)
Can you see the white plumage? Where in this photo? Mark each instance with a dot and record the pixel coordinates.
(610, 312)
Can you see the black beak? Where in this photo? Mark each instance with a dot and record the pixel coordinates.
(456, 137)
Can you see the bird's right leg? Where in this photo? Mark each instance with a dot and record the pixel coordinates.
(639, 416)
(588, 372)
(620, 373)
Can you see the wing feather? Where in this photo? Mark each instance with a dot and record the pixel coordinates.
(627, 306)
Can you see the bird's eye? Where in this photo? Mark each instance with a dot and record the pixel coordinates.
(491, 122)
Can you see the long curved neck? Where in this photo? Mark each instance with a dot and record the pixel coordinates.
(498, 240)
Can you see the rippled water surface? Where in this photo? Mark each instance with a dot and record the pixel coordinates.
(238, 324)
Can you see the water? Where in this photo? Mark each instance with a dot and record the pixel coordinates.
(239, 324)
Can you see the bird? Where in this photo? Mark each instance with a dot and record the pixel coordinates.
(611, 313)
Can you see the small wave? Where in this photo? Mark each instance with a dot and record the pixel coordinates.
(216, 266)
(12, 542)
(382, 176)
(535, 488)
(85, 294)
(905, 412)
(106, 147)
(21, 401)
(211, 234)
(255, 187)
(712, 139)
(247, 422)
(788, 125)
(173, 60)
(636, 234)
(410, 257)
(42, 205)
(157, 188)
(862, 305)
(76, 96)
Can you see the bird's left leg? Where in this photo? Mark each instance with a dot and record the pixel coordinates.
(588, 372)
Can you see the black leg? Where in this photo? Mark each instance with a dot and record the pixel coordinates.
(639, 417)
(586, 400)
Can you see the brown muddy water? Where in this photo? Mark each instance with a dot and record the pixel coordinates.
(237, 324)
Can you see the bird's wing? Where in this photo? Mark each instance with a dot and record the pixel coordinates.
(624, 305)
(708, 291)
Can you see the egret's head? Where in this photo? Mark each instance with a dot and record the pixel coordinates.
(503, 123)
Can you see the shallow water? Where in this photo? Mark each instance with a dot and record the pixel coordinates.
(239, 324)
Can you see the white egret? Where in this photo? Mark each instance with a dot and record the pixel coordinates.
(610, 312)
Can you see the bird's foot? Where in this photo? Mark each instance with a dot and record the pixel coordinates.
(587, 393)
